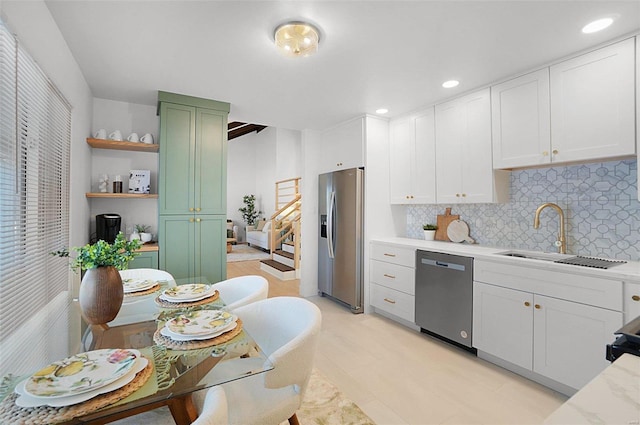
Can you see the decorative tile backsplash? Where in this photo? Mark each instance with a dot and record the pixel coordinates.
(600, 202)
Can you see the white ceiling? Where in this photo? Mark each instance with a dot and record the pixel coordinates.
(392, 54)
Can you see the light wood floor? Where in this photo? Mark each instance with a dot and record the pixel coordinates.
(399, 376)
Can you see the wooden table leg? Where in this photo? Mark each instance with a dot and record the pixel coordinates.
(183, 409)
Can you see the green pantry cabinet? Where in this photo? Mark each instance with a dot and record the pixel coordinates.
(146, 260)
(192, 188)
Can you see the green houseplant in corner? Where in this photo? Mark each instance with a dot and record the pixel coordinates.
(101, 291)
(249, 213)
(429, 231)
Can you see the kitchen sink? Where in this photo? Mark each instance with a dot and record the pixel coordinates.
(574, 260)
(545, 256)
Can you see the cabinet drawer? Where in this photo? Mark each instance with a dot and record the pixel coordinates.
(599, 292)
(631, 302)
(394, 254)
(394, 302)
(393, 276)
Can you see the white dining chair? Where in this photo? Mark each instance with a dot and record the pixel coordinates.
(142, 308)
(287, 330)
(242, 290)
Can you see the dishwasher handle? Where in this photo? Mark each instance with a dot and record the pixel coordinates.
(435, 263)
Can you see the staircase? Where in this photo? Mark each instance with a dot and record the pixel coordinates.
(285, 232)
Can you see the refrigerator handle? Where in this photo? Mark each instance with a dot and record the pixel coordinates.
(332, 201)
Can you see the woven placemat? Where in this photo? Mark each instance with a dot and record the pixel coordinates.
(151, 290)
(167, 304)
(167, 342)
(10, 413)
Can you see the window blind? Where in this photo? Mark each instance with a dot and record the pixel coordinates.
(35, 133)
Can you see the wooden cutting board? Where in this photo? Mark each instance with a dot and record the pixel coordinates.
(443, 223)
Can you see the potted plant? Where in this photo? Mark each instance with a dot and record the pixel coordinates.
(101, 291)
(249, 213)
(429, 231)
(142, 232)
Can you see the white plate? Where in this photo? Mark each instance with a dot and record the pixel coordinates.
(81, 373)
(137, 285)
(200, 322)
(26, 400)
(187, 293)
(176, 337)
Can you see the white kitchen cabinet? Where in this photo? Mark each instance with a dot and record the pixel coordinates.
(638, 103)
(631, 302)
(392, 280)
(412, 159)
(553, 324)
(569, 339)
(342, 146)
(464, 171)
(503, 323)
(593, 104)
(520, 119)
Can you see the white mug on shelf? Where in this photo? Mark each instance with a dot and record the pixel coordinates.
(147, 138)
(116, 135)
(100, 134)
(133, 137)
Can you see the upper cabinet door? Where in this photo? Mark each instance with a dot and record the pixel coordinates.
(402, 132)
(177, 149)
(593, 104)
(211, 162)
(450, 131)
(343, 146)
(520, 119)
(423, 167)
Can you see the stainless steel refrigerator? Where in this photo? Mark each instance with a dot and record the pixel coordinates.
(340, 243)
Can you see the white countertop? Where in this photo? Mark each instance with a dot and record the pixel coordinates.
(627, 272)
(612, 397)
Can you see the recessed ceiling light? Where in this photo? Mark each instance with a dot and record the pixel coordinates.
(382, 111)
(449, 84)
(597, 25)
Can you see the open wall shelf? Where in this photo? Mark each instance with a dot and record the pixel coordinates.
(122, 145)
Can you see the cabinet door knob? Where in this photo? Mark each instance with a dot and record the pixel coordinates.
(545, 153)
(191, 220)
(457, 195)
(198, 209)
(635, 297)
(464, 195)
(389, 301)
(411, 196)
(190, 209)
(197, 220)
(527, 303)
(389, 276)
(537, 306)
(555, 151)
(407, 196)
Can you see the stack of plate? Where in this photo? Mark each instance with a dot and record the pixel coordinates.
(131, 286)
(199, 325)
(188, 293)
(80, 378)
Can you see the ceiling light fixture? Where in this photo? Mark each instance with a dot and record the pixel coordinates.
(597, 25)
(450, 84)
(382, 111)
(296, 39)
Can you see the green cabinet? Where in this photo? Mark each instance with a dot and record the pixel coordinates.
(146, 260)
(193, 249)
(192, 184)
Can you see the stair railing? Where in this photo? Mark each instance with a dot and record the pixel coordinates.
(285, 222)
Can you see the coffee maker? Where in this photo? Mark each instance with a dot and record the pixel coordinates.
(107, 227)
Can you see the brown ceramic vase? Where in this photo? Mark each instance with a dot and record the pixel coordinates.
(101, 295)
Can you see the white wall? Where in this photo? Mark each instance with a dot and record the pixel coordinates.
(254, 163)
(126, 117)
(39, 35)
(311, 145)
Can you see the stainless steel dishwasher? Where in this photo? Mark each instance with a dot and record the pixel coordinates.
(444, 296)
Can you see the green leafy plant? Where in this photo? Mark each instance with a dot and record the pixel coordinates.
(429, 227)
(249, 213)
(103, 254)
(142, 228)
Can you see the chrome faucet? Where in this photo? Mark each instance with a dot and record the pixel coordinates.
(561, 243)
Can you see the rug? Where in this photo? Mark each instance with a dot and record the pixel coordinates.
(323, 404)
(244, 252)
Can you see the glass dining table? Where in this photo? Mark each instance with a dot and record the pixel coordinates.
(178, 369)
